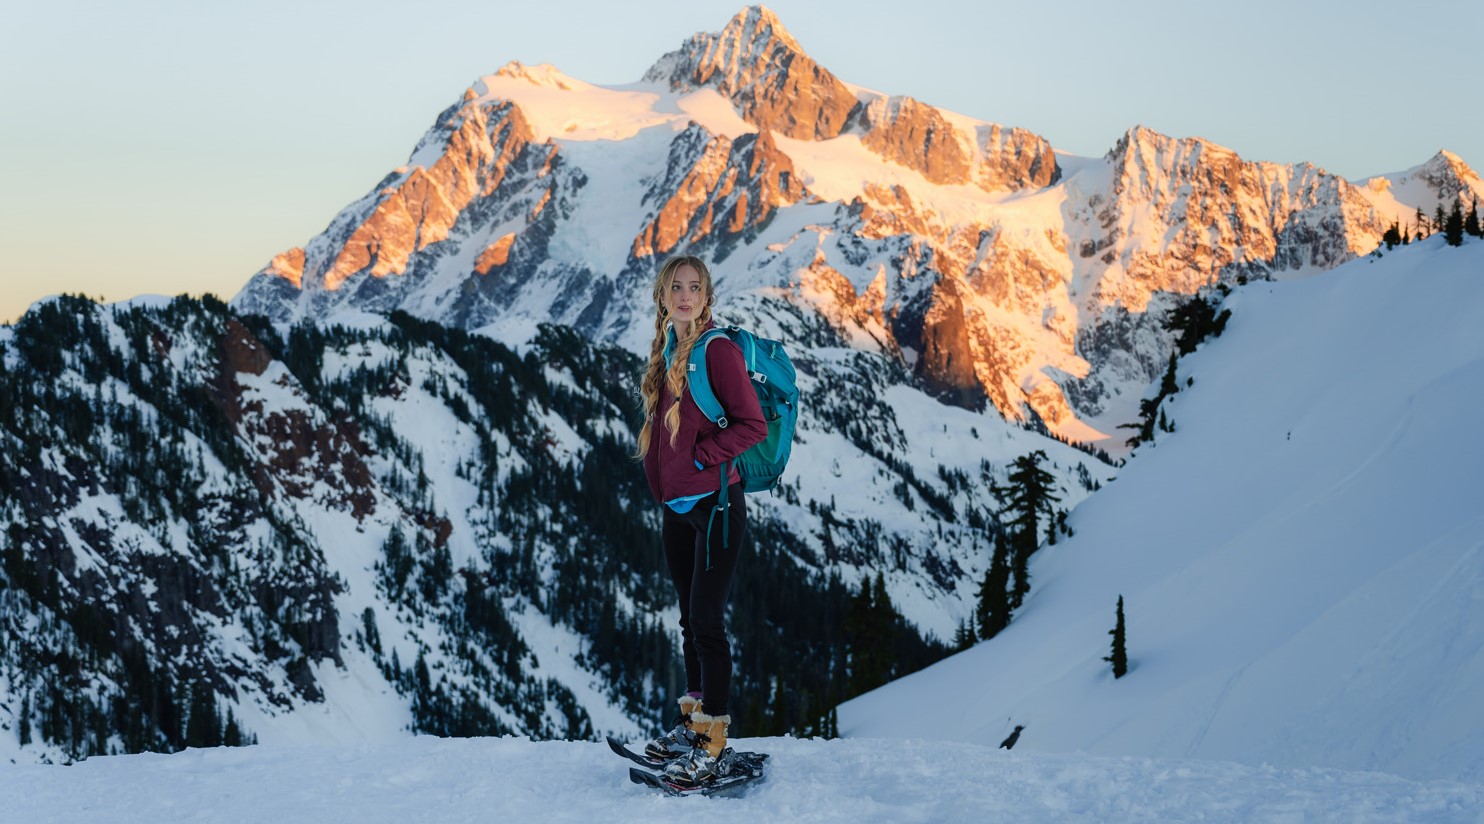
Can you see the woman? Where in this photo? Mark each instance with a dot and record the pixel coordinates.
(683, 453)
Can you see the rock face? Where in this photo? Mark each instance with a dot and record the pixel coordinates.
(1000, 272)
(1451, 178)
(757, 64)
(913, 134)
(731, 186)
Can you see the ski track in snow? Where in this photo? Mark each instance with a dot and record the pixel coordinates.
(856, 780)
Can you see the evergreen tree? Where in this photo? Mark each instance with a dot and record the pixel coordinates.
(779, 711)
(232, 734)
(869, 631)
(993, 612)
(1439, 219)
(965, 636)
(25, 720)
(1453, 226)
(1119, 658)
(1029, 496)
(1392, 237)
(1169, 384)
(1471, 223)
(1194, 321)
(1421, 221)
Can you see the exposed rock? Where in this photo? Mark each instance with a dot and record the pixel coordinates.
(495, 254)
(288, 265)
(1013, 159)
(421, 208)
(1451, 178)
(756, 63)
(917, 136)
(299, 452)
(731, 186)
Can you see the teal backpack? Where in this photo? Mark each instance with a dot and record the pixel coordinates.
(772, 375)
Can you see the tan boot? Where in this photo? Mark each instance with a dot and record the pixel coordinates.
(688, 707)
(679, 740)
(714, 728)
(705, 763)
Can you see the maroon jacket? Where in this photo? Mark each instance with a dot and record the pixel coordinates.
(671, 470)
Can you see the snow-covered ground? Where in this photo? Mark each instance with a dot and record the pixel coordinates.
(1302, 561)
(514, 779)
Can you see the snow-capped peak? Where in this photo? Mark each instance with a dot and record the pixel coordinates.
(1443, 180)
(752, 40)
(543, 74)
(756, 63)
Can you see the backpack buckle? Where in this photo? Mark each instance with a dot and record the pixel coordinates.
(722, 422)
(758, 376)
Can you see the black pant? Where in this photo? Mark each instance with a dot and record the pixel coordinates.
(703, 592)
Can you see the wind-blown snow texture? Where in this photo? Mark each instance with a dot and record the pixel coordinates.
(512, 779)
(1302, 560)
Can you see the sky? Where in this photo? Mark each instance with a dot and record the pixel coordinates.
(167, 146)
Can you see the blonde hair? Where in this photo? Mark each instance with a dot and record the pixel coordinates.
(685, 340)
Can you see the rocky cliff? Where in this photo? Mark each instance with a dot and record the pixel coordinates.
(998, 270)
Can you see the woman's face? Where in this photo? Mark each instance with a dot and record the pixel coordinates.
(685, 299)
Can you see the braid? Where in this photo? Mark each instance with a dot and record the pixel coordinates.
(655, 374)
(649, 388)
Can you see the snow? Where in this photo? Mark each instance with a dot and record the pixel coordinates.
(1302, 560)
(348, 317)
(514, 779)
(558, 106)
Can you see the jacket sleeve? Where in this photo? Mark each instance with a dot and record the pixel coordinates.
(733, 390)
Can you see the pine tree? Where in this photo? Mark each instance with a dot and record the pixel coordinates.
(25, 720)
(1030, 495)
(1170, 383)
(1119, 658)
(1471, 223)
(779, 710)
(869, 631)
(1453, 226)
(1439, 218)
(1421, 224)
(965, 636)
(993, 613)
(232, 734)
(1392, 237)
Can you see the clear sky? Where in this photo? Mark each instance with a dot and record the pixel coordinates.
(168, 146)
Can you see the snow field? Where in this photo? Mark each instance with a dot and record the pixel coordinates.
(1301, 560)
(861, 780)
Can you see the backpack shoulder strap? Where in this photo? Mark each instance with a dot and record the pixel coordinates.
(700, 381)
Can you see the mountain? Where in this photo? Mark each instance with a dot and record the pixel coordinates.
(1438, 183)
(1001, 272)
(218, 530)
(1300, 559)
(389, 487)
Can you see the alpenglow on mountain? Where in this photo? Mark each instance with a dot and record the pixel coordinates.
(998, 269)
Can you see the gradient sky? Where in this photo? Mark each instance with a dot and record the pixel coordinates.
(171, 146)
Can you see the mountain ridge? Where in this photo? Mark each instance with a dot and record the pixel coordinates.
(1031, 265)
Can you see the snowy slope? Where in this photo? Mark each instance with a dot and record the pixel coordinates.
(512, 779)
(1302, 560)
